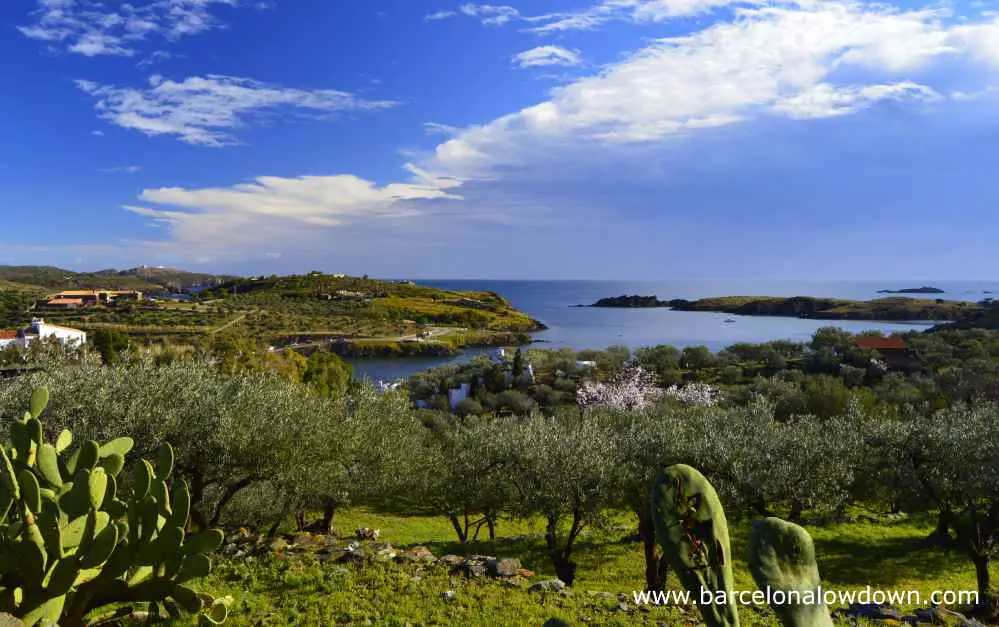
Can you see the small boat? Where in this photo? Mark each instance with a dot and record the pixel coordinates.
(729, 320)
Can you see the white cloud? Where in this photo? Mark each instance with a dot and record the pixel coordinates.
(599, 14)
(547, 55)
(489, 14)
(825, 100)
(97, 133)
(93, 28)
(439, 15)
(243, 217)
(981, 40)
(198, 110)
(122, 169)
(769, 60)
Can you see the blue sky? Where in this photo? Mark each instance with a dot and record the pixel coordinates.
(632, 139)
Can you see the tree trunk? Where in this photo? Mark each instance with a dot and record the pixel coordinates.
(983, 577)
(197, 518)
(274, 528)
(230, 491)
(655, 566)
(940, 537)
(300, 520)
(458, 529)
(796, 510)
(491, 522)
(565, 568)
(329, 508)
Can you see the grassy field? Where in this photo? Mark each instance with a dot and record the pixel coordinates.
(281, 590)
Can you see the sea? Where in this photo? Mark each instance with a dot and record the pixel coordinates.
(552, 302)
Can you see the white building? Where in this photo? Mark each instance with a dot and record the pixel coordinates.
(41, 330)
(8, 339)
(456, 396)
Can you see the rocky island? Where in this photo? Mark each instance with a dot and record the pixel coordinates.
(891, 309)
(915, 290)
(631, 302)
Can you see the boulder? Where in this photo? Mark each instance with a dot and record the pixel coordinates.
(548, 585)
(475, 566)
(365, 533)
(506, 567)
(452, 560)
(420, 554)
(278, 545)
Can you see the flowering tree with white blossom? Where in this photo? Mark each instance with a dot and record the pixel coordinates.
(634, 388)
(695, 394)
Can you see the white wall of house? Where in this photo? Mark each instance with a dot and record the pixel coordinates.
(8, 342)
(65, 335)
(456, 396)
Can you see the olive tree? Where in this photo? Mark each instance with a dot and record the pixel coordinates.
(561, 468)
(949, 458)
(229, 431)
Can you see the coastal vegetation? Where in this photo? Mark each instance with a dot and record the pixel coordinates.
(884, 309)
(354, 316)
(915, 290)
(630, 301)
(527, 493)
(895, 308)
(879, 479)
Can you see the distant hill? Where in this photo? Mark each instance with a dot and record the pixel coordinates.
(144, 278)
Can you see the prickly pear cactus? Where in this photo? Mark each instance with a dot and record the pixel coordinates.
(71, 543)
(692, 530)
(782, 557)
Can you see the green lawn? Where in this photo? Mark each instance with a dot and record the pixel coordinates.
(303, 590)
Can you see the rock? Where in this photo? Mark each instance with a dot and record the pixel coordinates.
(452, 560)
(506, 567)
(548, 585)
(365, 533)
(417, 554)
(355, 555)
(603, 595)
(555, 622)
(278, 544)
(523, 572)
(7, 620)
(230, 549)
(340, 570)
(623, 607)
(474, 566)
(871, 611)
(448, 595)
(384, 552)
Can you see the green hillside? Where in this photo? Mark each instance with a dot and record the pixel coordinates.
(142, 278)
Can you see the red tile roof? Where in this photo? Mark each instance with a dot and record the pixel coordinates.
(881, 343)
(65, 301)
(8, 335)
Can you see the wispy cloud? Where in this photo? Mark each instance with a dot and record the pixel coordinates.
(491, 14)
(122, 169)
(546, 56)
(603, 12)
(200, 110)
(95, 28)
(246, 216)
(439, 15)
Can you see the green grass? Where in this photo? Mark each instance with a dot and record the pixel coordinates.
(272, 590)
